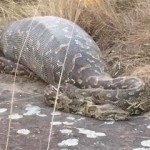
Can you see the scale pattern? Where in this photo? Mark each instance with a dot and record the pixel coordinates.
(44, 42)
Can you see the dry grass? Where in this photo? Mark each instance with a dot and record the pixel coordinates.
(120, 27)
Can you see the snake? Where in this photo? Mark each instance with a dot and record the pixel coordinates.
(46, 45)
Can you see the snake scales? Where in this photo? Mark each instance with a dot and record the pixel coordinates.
(87, 88)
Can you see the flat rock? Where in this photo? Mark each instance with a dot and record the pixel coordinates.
(31, 122)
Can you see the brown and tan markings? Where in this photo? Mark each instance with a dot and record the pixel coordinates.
(87, 88)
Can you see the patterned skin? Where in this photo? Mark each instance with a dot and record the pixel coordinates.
(87, 88)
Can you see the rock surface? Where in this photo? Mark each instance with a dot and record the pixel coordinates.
(30, 124)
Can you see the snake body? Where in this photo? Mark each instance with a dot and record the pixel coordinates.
(44, 42)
